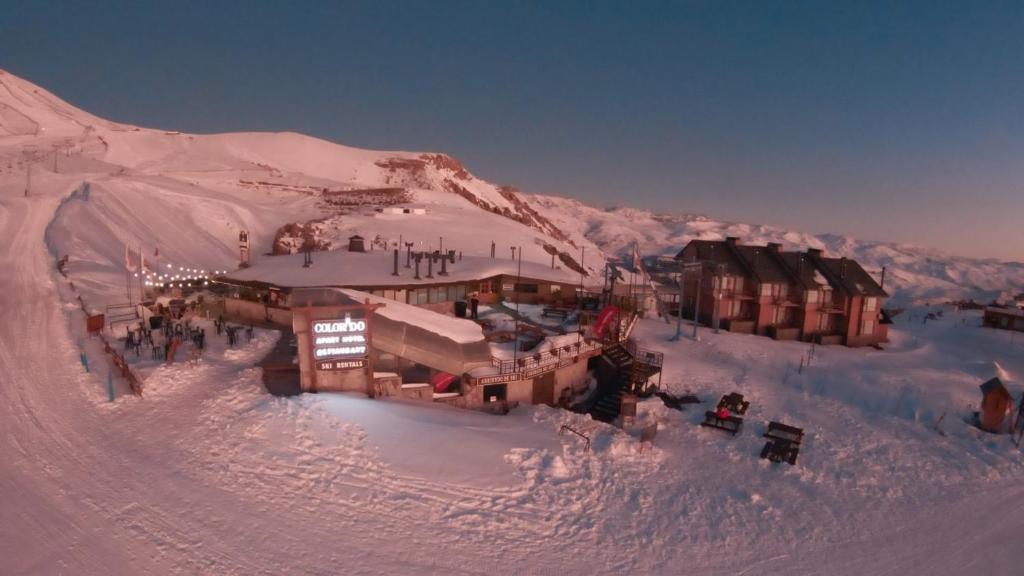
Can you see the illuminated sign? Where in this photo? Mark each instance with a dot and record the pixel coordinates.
(339, 339)
(341, 364)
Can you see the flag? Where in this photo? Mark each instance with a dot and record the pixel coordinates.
(128, 259)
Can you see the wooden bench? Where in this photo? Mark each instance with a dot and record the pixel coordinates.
(730, 424)
(734, 403)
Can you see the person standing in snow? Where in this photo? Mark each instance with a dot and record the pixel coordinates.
(474, 305)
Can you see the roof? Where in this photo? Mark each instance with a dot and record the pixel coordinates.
(848, 275)
(994, 385)
(341, 268)
(765, 266)
(803, 270)
(717, 252)
(442, 342)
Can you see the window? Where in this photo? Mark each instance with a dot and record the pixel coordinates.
(870, 303)
(422, 296)
(766, 289)
(389, 294)
(526, 288)
(783, 290)
(812, 296)
(495, 392)
(460, 292)
(738, 284)
(734, 308)
(485, 286)
(439, 294)
(867, 327)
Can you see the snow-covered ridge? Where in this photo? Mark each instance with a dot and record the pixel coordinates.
(262, 181)
(913, 273)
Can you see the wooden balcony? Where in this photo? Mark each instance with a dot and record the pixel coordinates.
(784, 332)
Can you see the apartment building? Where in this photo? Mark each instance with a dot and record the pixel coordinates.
(766, 291)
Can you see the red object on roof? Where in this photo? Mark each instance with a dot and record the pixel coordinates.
(441, 381)
(605, 318)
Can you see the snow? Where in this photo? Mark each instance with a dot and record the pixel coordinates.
(371, 269)
(458, 330)
(209, 474)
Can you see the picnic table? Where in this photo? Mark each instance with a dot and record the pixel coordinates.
(781, 451)
(730, 424)
(783, 443)
(734, 403)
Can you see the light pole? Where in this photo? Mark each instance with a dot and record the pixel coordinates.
(682, 292)
(717, 313)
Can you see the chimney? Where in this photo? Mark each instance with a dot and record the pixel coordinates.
(842, 267)
(731, 240)
(492, 248)
(775, 247)
(395, 271)
(430, 266)
(418, 258)
(444, 266)
(814, 252)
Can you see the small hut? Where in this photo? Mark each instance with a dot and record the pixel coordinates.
(356, 244)
(996, 405)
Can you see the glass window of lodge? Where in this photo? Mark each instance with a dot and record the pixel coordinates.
(766, 289)
(422, 296)
(868, 327)
(439, 294)
(526, 288)
(485, 286)
(812, 296)
(869, 304)
(738, 284)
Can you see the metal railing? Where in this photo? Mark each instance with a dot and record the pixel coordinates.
(550, 357)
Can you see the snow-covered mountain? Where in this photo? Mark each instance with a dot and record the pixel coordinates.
(186, 196)
(913, 274)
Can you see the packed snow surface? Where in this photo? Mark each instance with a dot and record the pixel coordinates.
(208, 474)
(371, 269)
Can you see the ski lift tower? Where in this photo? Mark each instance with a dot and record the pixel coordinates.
(243, 248)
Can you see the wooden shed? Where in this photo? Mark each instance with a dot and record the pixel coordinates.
(996, 406)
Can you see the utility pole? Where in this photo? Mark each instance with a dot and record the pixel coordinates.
(696, 301)
(717, 313)
(679, 310)
(515, 290)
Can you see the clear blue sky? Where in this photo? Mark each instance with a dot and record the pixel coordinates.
(895, 121)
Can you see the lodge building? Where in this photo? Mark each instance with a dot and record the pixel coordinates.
(417, 343)
(766, 291)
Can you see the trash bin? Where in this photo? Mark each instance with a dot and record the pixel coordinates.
(460, 308)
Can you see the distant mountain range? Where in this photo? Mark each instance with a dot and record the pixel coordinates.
(187, 196)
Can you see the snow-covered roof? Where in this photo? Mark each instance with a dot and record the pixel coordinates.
(456, 329)
(372, 269)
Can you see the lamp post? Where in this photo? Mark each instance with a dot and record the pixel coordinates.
(682, 292)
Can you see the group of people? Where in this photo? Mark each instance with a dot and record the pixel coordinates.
(179, 332)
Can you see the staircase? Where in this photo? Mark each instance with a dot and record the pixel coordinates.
(614, 375)
(617, 374)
